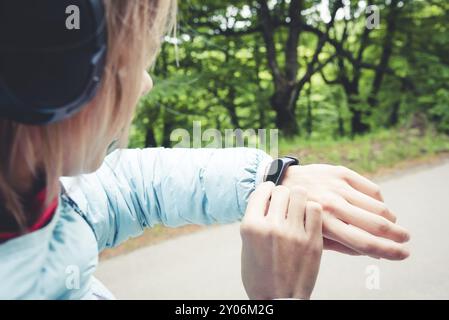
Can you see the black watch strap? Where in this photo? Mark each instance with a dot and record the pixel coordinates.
(277, 168)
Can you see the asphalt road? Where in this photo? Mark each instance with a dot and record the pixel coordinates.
(206, 265)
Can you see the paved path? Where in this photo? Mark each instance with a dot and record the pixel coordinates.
(206, 265)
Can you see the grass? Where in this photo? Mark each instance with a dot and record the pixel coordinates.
(370, 154)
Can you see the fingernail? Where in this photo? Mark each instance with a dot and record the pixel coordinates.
(406, 237)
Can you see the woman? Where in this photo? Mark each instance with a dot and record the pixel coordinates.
(50, 236)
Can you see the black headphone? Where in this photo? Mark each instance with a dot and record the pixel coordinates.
(52, 57)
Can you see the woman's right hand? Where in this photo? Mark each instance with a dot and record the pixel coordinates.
(282, 243)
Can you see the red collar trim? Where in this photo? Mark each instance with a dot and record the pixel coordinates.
(45, 217)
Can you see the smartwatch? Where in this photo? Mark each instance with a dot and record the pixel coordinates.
(277, 168)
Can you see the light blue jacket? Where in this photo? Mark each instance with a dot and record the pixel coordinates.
(133, 190)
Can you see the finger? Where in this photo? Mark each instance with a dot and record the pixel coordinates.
(362, 184)
(332, 245)
(297, 207)
(259, 200)
(361, 241)
(314, 225)
(372, 223)
(280, 198)
(368, 203)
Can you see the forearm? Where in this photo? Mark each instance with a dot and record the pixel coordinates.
(135, 189)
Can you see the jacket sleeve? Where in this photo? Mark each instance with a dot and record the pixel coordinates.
(139, 188)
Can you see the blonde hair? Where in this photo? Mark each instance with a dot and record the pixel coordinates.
(135, 33)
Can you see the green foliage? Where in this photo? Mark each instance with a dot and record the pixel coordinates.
(221, 73)
(440, 111)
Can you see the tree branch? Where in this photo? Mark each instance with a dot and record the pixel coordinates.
(291, 48)
(268, 36)
(311, 69)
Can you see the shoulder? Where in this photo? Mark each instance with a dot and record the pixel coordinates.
(54, 262)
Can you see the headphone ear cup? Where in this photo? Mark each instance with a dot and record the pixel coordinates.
(47, 69)
(47, 79)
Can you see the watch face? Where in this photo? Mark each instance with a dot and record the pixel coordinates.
(274, 171)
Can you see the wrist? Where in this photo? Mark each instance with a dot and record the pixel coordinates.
(262, 169)
(278, 168)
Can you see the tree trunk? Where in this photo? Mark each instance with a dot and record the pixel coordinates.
(309, 122)
(394, 115)
(260, 105)
(283, 103)
(150, 139)
(357, 124)
(341, 123)
(387, 51)
(231, 107)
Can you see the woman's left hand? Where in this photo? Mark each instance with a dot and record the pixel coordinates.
(356, 220)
